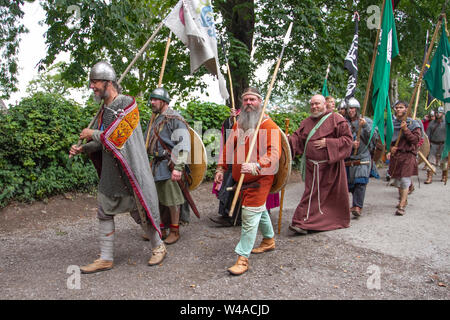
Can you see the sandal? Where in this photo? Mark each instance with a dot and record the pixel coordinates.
(400, 211)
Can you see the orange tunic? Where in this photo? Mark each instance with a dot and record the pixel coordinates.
(266, 153)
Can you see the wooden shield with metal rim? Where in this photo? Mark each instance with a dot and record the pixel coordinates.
(198, 160)
(285, 164)
(424, 148)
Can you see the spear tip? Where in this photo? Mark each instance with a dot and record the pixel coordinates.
(287, 37)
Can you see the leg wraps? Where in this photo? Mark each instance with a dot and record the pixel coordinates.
(106, 230)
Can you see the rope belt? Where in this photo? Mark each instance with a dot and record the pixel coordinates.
(316, 168)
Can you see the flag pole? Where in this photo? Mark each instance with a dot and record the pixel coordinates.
(369, 81)
(286, 131)
(255, 136)
(233, 106)
(161, 75)
(123, 76)
(422, 71)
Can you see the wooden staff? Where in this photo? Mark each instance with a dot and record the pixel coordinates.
(286, 131)
(422, 71)
(421, 155)
(369, 81)
(255, 136)
(233, 107)
(124, 74)
(161, 75)
(417, 89)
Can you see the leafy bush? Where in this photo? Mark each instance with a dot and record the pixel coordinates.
(34, 145)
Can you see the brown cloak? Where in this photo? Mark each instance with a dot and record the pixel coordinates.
(334, 211)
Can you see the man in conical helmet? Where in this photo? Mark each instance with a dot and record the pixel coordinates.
(358, 164)
(168, 144)
(126, 183)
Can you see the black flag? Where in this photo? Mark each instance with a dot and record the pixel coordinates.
(351, 63)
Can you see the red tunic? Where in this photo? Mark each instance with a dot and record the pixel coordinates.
(266, 152)
(403, 162)
(326, 180)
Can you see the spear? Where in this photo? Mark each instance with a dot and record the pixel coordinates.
(124, 74)
(255, 136)
(161, 75)
(233, 108)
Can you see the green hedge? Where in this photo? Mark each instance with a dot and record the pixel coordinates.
(38, 132)
(34, 146)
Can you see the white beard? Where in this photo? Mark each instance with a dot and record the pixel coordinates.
(317, 114)
(248, 119)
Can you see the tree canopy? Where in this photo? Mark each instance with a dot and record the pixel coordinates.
(251, 30)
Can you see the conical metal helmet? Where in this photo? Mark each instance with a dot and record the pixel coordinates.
(161, 94)
(342, 105)
(353, 103)
(102, 71)
(440, 110)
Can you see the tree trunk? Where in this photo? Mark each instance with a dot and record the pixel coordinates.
(393, 90)
(239, 21)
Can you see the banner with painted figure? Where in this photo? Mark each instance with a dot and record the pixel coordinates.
(192, 21)
(351, 64)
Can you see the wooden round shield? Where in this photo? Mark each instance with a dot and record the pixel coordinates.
(424, 148)
(198, 160)
(284, 167)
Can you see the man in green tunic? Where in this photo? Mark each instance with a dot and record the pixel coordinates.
(169, 144)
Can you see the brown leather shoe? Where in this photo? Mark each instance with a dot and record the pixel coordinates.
(96, 266)
(266, 245)
(356, 211)
(240, 266)
(173, 236)
(158, 255)
(429, 177)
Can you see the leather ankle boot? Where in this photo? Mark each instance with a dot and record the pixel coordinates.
(444, 176)
(173, 236)
(403, 202)
(266, 245)
(239, 267)
(429, 177)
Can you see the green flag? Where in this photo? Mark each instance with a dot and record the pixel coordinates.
(325, 92)
(437, 79)
(387, 50)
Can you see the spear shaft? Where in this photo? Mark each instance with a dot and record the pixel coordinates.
(255, 135)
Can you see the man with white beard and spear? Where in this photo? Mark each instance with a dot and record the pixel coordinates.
(259, 175)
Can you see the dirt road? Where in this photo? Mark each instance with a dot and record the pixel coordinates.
(381, 256)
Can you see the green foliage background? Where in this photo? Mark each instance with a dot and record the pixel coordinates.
(38, 132)
(34, 145)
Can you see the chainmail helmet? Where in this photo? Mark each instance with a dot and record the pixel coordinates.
(102, 70)
(353, 103)
(161, 94)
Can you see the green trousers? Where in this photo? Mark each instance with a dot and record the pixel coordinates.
(250, 223)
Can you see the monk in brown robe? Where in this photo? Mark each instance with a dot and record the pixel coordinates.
(325, 202)
(403, 157)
